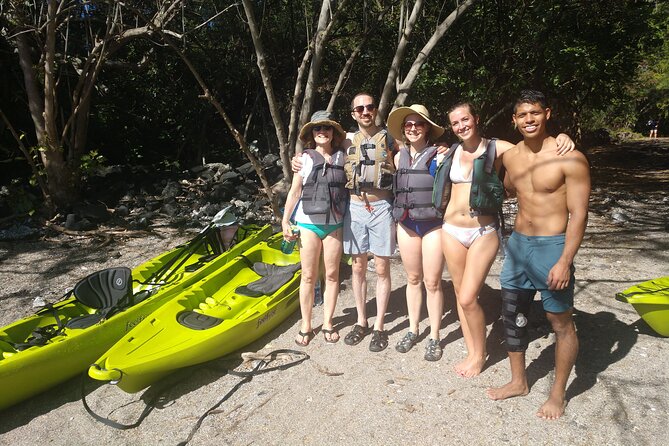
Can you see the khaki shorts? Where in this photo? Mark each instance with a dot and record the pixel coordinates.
(366, 231)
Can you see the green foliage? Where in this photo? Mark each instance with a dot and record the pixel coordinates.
(18, 199)
(603, 64)
(90, 162)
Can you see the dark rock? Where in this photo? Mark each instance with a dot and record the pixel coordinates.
(152, 205)
(171, 190)
(93, 211)
(169, 209)
(229, 176)
(246, 169)
(86, 225)
(18, 232)
(122, 210)
(270, 159)
(70, 222)
(140, 223)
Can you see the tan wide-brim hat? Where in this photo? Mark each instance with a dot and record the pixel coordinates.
(397, 117)
(323, 117)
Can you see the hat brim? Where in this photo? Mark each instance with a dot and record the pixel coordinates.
(339, 136)
(396, 123)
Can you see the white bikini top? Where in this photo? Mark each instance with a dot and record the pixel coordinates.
(456, 168)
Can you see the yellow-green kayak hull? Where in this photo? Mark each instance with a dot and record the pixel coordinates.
(651, 300)
(27, 372)
(163, 343)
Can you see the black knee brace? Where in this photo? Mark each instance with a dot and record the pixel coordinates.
(515, 308)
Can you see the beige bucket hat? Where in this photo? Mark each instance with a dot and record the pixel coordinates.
(322, 117)
(396, 121)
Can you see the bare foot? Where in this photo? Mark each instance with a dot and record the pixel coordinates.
(552, 409)
(470, 366)
(508, 390)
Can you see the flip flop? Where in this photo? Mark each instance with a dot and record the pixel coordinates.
(330, 332)
(306, 338)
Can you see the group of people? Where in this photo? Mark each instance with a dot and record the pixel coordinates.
(359, 195)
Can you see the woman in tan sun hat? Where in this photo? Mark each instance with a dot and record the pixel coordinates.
(318, 200)
(418, 221)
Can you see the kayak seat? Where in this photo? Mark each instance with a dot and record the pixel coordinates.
(197, 321)
(272, 278)
(107, 291)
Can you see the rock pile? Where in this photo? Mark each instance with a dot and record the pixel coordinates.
(139, 197)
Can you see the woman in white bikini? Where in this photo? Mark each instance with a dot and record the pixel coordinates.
(469, 239)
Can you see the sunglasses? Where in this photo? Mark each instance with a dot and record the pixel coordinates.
(319, 128)
(418, 124)
(360, 108)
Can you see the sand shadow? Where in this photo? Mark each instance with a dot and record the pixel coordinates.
(603, 340)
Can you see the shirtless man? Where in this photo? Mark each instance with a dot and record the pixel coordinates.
(553, 193)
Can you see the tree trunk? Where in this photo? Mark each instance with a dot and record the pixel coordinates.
(269, 90)
(404, 86)
(235, 133)
(393, 72)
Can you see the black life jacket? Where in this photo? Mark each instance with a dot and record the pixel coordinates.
(413, 186)
(487, 190)
(324, 192)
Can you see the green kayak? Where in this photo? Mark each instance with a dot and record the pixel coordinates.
(63, 339)
(232, 307)
(651, 300)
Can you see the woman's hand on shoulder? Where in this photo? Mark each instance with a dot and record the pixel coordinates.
(564, 144)
(296, 163)
(442, 150)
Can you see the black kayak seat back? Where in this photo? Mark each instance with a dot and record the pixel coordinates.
(106, 290)
(197, 321)
(272, 278)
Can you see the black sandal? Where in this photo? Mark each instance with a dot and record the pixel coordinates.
(379, 341)
(357, 334)
(306, 338)
(330, 332)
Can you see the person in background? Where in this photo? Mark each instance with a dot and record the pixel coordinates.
(653, 124)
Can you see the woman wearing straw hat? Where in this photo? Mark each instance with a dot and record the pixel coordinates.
(419, 223)
(470, 239)
(319, 200)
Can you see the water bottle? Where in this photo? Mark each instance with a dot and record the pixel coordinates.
(318, 294)
(287, 246)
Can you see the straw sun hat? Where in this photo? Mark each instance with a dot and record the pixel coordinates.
(323, 117)
(397, 117)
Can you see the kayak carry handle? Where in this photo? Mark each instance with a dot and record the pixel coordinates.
(621, 297)
(96, 372)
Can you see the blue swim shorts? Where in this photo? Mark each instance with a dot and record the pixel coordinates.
(527, 264)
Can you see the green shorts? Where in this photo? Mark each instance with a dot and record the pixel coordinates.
(527, 264)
